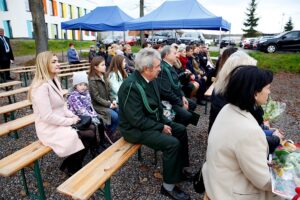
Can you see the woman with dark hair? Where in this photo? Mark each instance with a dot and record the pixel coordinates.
(222, 59)
(99, 90)
(236, 161)
(116, 75)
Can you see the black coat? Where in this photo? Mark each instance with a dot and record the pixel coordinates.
(3, 55)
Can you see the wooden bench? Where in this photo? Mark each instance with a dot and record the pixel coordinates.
(16, 124)
(9, 84)
(10, 93)
(23, 158)
(96, 174)
(208, 94)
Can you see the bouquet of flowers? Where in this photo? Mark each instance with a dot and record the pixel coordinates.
(286, 170)
(273, 109)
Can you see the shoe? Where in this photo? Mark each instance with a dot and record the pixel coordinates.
(176, 193)
(96, 151)
(65, 170)
(187, 175)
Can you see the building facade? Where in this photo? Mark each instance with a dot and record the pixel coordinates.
(16, 19)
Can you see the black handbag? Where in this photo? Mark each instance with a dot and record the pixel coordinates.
(84, 123)
(198, 182)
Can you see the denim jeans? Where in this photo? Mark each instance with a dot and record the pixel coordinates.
(114, 120)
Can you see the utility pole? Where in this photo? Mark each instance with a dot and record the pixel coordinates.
(141, 15)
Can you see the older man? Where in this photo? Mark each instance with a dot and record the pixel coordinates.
(6, 56)
(142, 121)
(170, 88)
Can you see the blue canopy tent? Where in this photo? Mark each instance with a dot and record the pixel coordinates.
(106, 18)
(179, 14)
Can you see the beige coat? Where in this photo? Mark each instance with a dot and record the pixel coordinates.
(53, 120)
(236, 166)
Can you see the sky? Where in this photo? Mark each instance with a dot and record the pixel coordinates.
(273, 14)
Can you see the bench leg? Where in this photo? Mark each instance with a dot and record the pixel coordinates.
(41, 193)
(140, 154)
(107, 194)
(39, 180)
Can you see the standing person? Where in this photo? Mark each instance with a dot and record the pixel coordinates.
(116, 75)
(142, 122)
(170, 88)
(6, 56)
(73, 57)
(237, 168)
(99, 89)
(53, 120)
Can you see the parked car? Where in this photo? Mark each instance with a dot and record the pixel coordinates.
(131, 40)
(111, 40)
(227, 41)
(192, 38)
(285, 41)
(247, 42)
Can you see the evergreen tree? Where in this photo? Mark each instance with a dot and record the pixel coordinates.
(251, 21)
(289, 25)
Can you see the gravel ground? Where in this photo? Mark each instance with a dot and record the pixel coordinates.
(139, 180)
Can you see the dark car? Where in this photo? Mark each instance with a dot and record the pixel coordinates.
(285, 41)
(227, 42)
(189, 38)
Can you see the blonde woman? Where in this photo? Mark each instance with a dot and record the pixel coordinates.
(53, 120)
(217, 99)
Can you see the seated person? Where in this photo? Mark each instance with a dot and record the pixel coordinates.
(142, 122)
(104, 105)
(170, 88)
(129, 58)
(80, 103)
(237, 148)
(72, 54)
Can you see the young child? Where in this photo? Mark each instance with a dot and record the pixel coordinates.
(79, 102)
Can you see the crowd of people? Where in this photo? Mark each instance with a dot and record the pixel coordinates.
(124, 94)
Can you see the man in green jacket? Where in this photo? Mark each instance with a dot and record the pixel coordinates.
(170, 88)
(142, 121)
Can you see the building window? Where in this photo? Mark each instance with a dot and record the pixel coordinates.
(7, 29)
(60, 10)
(78, 12)
(50, 7)
(70, 12)
(29, 29)
(3, 5)
(27, 8)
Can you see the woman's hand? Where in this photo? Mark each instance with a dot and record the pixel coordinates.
(167, 130)
(76, 119)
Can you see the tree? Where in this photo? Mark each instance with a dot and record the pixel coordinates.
(251, 21)
(39, 25)
(289, 25)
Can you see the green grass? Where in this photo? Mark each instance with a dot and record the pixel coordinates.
(276, 62)
(27, 47)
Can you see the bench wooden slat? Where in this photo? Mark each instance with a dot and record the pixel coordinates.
(92, 177)
(13, 92)
(16, 124)
(22, 158)
(209, 91)
(14, 106)
(11, 83)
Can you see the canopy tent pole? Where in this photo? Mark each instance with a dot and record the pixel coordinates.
(124, 39)
(220, 39)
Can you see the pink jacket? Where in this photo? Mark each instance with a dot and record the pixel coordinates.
(53, 120)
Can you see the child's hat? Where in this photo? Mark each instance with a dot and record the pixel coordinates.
(80, 77)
